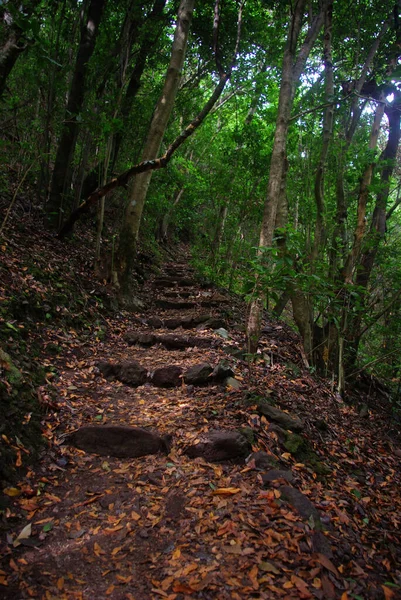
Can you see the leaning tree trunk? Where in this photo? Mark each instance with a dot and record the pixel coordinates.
(66, 147)
(139, 189)
(14, 41)
(293, 66)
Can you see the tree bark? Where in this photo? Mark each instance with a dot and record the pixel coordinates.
(292, 68)
(56, 206)
(14, 40)
(138, 190)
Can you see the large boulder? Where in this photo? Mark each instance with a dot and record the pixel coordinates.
(119, 441)
(218, 446)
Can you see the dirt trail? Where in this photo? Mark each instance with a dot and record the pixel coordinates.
(177, 527)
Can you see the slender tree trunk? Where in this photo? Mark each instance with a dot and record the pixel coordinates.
(327, 135)
(363, 196)
(66, 147)
(165, 223)
(293, 66)
(14, 39)
(139, 188)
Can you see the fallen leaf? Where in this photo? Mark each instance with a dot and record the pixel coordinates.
(24, 535)
(12, 492)
(226, 491)
(388, 594)
(268, 567)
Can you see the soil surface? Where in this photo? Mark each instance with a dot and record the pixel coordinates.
(315, 514)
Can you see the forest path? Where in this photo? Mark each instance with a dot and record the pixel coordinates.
(176, 527)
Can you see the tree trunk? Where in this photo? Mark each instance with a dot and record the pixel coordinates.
(293, 66)
(139, 188)
(14, 39)
(370, 244)
(56, 205)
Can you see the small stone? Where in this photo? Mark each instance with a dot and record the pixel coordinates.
(232, 383)
(198, 374)
(364, 411)
(143, 534)
(223, 333)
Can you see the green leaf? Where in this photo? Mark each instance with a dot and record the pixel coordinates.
(48, 526)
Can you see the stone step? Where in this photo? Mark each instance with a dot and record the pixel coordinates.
(172, 282)
(169, 341)
(186, 304)
(202, 321)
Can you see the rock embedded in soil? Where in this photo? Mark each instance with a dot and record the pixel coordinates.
(219, 446)
(286, 421)
(222, 371)
(167, 377)
(198, 374)
(302, 505)
(262, 460)
(274, 474)
(119, 441)
(131, 373)
(155, 322)
(107, 369)
(143, 339)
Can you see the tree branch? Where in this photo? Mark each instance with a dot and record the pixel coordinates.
(161, 162)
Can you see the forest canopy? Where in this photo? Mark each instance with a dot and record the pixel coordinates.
(263, 133)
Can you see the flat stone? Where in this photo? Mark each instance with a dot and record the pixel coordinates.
(131, 373)
(291, 422)
(218, 446)
(198, 374)
(179, 342)
(167, 377)
(119, 441)
(222, 333)
(302, 505)
(275, 474)
(233, 383)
